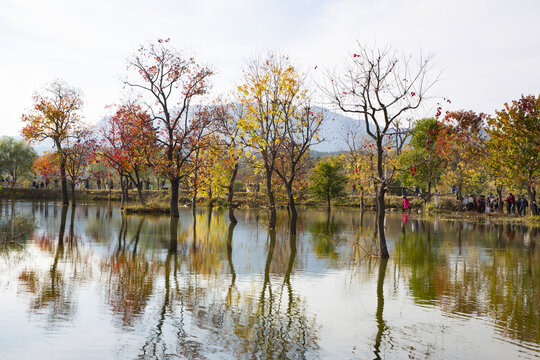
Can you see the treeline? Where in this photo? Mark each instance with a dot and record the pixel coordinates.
(264, 130)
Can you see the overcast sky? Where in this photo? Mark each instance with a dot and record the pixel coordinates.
(489, 51)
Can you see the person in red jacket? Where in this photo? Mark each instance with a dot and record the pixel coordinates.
(406, 204)
(511, 204)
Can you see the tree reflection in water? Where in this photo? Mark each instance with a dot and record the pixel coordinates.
(53, 291)
(501, 284)
(381, 324)
(201, 287)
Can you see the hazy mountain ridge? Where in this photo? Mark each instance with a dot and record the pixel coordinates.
(332, 132)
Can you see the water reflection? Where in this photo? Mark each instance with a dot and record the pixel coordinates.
(200, 287)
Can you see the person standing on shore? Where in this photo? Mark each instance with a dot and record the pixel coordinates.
(522, 205)
(406, 204)
(437, 193)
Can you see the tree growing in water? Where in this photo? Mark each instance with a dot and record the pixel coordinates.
(56, 117)
(278, 124)
(380, 87)
(172, 81)
(129, 145)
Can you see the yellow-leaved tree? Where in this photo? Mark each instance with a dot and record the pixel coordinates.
(278, 124)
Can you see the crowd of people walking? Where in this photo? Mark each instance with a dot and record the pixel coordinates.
(490, 203)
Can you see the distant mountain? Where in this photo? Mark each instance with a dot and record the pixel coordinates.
(333, 131)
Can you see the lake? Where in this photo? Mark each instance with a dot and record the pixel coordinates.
(91, 283)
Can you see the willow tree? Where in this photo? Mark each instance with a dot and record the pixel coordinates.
(55, 116)
(278, 123)
(172, 81)
(380, 86)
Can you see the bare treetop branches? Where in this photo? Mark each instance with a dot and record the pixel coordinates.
(380, 86)
(172, 81)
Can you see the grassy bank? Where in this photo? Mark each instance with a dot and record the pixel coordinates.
(157, 202)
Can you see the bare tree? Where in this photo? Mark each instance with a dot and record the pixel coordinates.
(172, 81)
(380, 86)
(301, 128)
(226, 123)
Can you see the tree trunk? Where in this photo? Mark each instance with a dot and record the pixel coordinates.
(72, 224)
(194, 199)
(126, 188)
(230, 196)
(501, 203)
(328, 205)
(65, 200)
(271, 201)
(361, 198)
(174, 197)
(381, 190)
(532, 197)
(63, 218)
(139, 190)
(292, 209)
(210, 198)
(122, 193)
(380, 221)
(72, 193)
(173, 232)
(428, 196)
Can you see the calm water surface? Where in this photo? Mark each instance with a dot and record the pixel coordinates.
(90, 283)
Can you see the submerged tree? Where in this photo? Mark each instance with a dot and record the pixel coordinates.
(129, 145)
(56, 117)
(278, 124)
(78, 154)
(226, 124)
(172, 81)
(380, 87)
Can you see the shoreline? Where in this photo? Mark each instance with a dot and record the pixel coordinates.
(157, 202)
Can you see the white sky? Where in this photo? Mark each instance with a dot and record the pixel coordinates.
(489, 50)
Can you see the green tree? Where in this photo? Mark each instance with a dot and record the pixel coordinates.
(327, 180)
(422, 163)
(16, 158)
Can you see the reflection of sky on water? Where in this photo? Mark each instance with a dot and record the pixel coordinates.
(116, 291)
